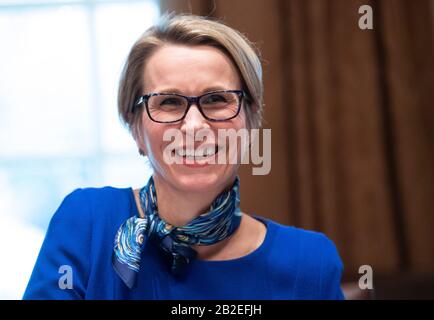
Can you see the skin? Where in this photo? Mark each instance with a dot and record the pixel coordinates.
(192, 71)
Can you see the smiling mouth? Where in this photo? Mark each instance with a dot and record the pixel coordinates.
(198, 154)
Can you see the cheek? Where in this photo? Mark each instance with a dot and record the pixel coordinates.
(240, 122)
(153, 137)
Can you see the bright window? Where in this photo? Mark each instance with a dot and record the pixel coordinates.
(60, 63)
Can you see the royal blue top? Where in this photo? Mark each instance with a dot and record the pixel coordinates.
(291, 263)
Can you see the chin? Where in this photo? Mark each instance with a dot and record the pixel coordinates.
(197, 181)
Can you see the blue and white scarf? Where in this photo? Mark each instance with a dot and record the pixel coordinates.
(218, 223)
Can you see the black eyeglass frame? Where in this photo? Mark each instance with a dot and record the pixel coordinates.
(190, 101)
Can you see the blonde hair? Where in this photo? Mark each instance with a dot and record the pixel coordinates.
(191, 30)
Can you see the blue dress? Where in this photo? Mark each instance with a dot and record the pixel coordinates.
(291, 263)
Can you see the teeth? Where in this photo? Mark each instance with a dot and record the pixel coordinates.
(196, 153)
(209, 151)
(181, 152)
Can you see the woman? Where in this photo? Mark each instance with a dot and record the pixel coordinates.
(183, 235)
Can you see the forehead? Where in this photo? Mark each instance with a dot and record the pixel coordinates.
(189, 69)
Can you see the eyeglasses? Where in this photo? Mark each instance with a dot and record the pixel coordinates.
(220, 105)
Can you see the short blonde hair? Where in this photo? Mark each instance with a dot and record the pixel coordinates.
(191, 30)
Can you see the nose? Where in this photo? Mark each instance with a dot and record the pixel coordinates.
(194, 120)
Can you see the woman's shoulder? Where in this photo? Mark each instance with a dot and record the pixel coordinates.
(309, 255)
(98, 194)
(79, 236)
(290, 232)
(95, 205)
(312, 246)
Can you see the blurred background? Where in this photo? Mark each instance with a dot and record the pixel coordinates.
(351, 113)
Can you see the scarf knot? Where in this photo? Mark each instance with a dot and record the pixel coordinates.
(218, 223)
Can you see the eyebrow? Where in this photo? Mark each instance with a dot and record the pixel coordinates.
(208, 89)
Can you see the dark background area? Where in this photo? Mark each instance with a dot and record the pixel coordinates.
(351, 113)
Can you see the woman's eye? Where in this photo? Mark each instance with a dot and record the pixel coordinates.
(215, 98)
(171, 101)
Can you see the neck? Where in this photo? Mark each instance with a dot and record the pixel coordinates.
(177, 207)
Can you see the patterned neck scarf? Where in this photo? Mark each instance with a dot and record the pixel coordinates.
(218, 223)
